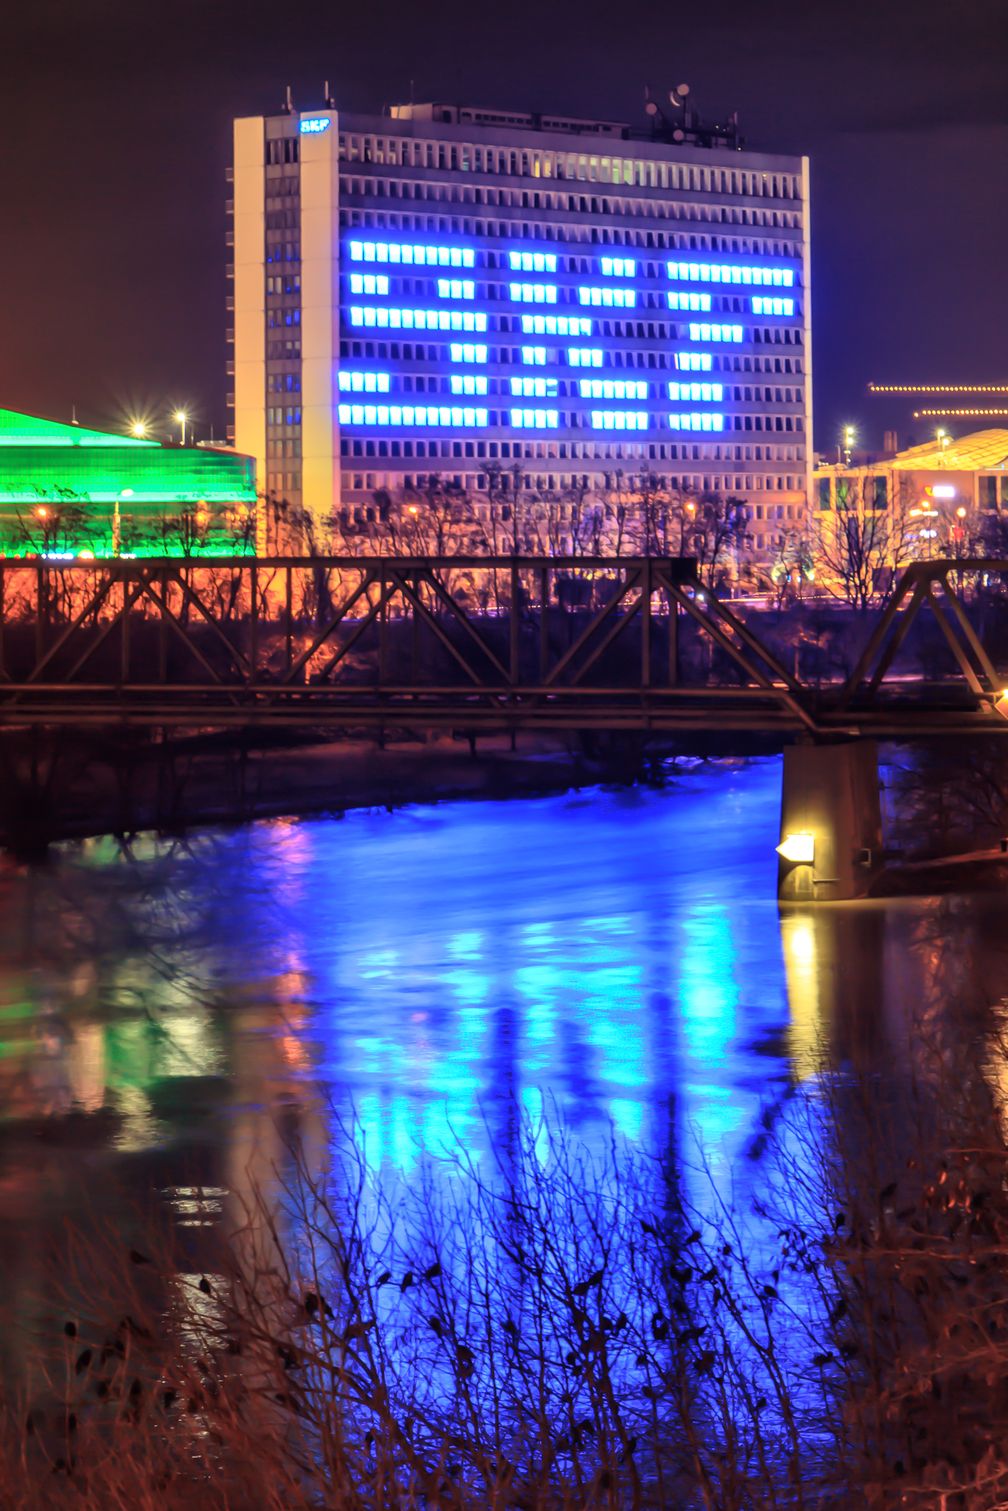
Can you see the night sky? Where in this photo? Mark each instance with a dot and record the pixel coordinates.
(116, 132)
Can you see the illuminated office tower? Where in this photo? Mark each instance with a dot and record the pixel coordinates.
(467, 292)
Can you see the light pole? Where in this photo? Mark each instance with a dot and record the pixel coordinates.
(181, 419)
(849, 437)
(138, 429)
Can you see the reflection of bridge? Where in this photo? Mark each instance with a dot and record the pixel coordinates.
(477, 644)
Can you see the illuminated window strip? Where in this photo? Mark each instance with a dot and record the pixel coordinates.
(696, 421)
(417, 320)
(469, 383)
(617, 267)
(369, 283)
(455, 288)
(612, 388)
(534, 356)
(533, 262)
(585, 356)
(410, 255)
(533, 293)
(361, 382)
(693, 362)
(681, 300)
(534, 388)
(764, 304)
(707, 332)
(721, 272)
(622, 298)
(707, 393)
(407, 415)
(463, 352)
(535, 419)
(619, 419)
(556, 325)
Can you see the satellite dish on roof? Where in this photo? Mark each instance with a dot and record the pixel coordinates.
(651, 108)
(682, 90)
(678, 134)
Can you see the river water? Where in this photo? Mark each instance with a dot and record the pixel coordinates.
(169, 1012)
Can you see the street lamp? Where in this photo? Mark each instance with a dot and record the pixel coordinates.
(181, 419)
(849, 436)
(138, 429)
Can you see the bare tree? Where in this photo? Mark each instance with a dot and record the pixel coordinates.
(860, 544)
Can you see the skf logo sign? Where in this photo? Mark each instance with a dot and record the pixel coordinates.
(314, 125)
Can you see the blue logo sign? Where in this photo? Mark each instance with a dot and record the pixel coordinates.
(314, 125)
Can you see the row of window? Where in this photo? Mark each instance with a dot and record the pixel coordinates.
(408, 415)
(617, 297)
(663, 238)
(378, 191)
(632, 357)
(650, 173)
(595, 451)
(350, 381)
(712, 272)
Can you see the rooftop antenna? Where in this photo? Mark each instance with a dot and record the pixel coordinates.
(327, 95)
(288, 100)
(73, 414)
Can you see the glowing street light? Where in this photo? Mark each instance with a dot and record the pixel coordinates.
(139, 429)
(181, 419)
(849, 437)
(799, 849)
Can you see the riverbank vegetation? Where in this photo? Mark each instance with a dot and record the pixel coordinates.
(564, 1327)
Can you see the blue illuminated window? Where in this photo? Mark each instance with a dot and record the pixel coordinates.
(623, 298)
(535, 419)
(533, 293)
(680, 300)
(693, 362)
(723, 272)
(534, 356)
(456, 288)
(764, 304)
(407, 415)
(556, 325)
(468, 383)
(369, 283)
(585, 356)
(619, 419)
(612, 388)
(708, 393)
(411, 255)
(617, 267)
(697, 420)
(417, 320)
(534, 388)
(533, 262)
(463, 352)
(707, 332)
(361, 382)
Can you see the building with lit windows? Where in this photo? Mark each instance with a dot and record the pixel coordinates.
(469, 294)
(66, 490)
(951, 487)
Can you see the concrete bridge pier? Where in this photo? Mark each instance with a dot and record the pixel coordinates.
(831, 822)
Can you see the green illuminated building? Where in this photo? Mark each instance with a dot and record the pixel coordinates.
(69, 491)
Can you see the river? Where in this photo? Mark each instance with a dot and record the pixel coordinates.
(170, 1010)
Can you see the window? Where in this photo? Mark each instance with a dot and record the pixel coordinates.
(585, 356)
(411, 255)
(533, 293)
(619, 419)
(368, 283)
(679, 299)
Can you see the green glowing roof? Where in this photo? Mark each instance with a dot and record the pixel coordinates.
(29, 430)
(40, 459)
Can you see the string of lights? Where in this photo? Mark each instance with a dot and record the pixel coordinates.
(952, 414)
(938, 388)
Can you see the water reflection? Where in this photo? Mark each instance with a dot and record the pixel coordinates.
(167, 1012)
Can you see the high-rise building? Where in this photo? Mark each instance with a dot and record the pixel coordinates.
(469, 293)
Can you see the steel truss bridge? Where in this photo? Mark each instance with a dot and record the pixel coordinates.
(477, 645)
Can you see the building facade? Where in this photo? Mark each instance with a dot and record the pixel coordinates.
(943, 494)
(482, 295)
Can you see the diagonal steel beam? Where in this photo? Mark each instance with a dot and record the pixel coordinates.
(631, 581)
(459, 613)
(94, 603)
(175, 575)
(419, 607)
(908, 583)
(385, 596)
(327, 629)
(983, 661)
(171, 618)
(955, 645)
